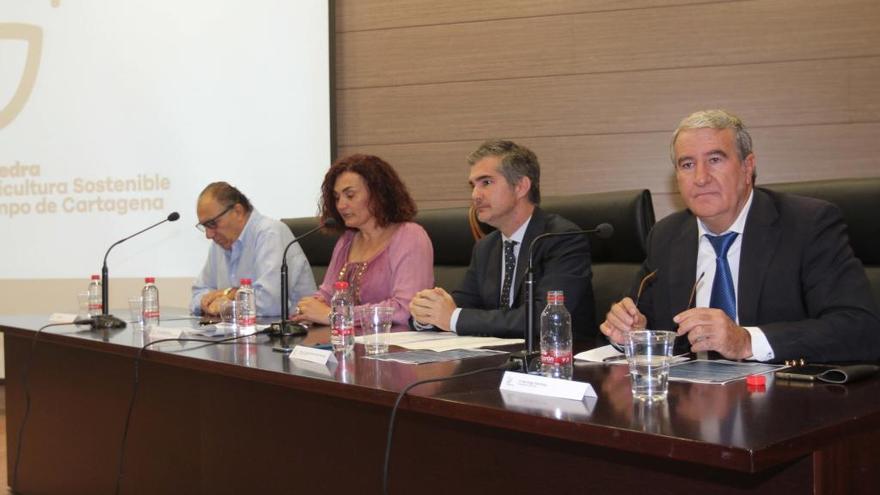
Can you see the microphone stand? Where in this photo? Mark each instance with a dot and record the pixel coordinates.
(525, 357)
(105, 319)
(285, 328)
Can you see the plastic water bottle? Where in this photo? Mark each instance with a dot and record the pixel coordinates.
(556, 345)
(150, 297)
(246, 302)
(96, 305)
(342, 318)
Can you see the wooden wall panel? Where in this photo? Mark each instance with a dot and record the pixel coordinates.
(786, 93)
(621, 40)
(596, 87)
(359, 15)
(628, 161)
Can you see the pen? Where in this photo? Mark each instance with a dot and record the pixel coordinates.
(612, 359)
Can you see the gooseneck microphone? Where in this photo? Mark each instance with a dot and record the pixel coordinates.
(284, 327)
(603, 231)
(105, 319)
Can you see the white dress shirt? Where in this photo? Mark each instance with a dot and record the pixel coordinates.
(761, 350)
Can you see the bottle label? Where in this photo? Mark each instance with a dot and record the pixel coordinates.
(247, 320)
(556, 357)
(341, 331)
(150, 314)
(96, 307)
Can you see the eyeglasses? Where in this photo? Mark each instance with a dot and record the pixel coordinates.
(212, 223)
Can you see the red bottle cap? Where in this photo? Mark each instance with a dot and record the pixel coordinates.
(342, 284)
(245, 281)
(150, 280)
(96, 277)
(756, 380)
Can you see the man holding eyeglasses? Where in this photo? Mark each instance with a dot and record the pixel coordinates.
(745, 271)
(246, 245)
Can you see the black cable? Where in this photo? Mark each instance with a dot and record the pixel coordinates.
(134, 390)
(504, 367)
(27, 396)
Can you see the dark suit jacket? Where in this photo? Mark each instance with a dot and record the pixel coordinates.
(798, 279)
(560, 263)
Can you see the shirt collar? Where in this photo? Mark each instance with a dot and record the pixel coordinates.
(248, 227)
(519, 233)
(738, 226)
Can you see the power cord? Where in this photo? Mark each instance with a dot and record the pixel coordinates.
(505, 367)
(27, 395)
(134, 391)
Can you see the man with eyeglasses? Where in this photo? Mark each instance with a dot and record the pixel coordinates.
(246, 245)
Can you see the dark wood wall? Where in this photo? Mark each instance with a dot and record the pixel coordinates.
(596, 87)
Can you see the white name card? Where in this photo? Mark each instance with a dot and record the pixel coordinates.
(312, 355)
(548, 387)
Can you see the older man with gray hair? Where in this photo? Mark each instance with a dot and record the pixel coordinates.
(744, 271)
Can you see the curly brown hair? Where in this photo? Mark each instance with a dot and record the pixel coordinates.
(390, 201)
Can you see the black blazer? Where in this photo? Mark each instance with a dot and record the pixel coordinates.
(560, 263)
(798, 279)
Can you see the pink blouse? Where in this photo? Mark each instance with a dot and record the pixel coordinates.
(392, 276)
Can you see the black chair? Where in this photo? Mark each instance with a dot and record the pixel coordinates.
(859, 201)
(318, 247)
(616, 260)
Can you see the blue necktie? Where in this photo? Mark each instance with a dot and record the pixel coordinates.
(723, 294)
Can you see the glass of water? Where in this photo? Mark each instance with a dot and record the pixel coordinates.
(376, 326)
(649, 353)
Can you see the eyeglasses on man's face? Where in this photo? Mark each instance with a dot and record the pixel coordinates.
(212, 223)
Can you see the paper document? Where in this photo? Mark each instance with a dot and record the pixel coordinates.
(442, 341)
(422, 356)
(603, 354)
(717, 371)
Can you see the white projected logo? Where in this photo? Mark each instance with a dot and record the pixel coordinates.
(33, 37)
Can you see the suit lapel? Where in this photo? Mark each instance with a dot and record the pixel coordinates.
(492, 283)
(760, 240)
(537, 226)
(683, 266)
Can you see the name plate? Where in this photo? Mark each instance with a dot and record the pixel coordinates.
(547, 387)
(312, 355)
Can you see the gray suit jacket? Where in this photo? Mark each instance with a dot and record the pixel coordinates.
(798, 279)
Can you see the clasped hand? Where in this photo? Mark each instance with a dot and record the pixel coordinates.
(433, 307)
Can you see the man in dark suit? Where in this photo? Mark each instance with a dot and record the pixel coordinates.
(746, 272)
(505, 181)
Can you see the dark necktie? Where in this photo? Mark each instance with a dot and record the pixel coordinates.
(509, 267)
(723, 294)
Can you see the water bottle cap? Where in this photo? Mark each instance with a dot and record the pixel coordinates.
(555, 296)
(245, 281)
(150, 280)
(96, 277)
(342, 284)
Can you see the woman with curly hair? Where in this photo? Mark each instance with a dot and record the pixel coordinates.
(385, 257)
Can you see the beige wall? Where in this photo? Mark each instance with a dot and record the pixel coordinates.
(596, 87)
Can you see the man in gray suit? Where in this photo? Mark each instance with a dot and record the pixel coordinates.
(505, 179)
(744, 271)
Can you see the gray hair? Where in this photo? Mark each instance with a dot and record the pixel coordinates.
(516, 162)
(715, 119)
(226, 194)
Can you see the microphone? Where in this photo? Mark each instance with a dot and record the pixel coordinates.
(105, 319)
(284, 327)
(603, 231)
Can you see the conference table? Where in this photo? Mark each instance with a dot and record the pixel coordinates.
(237, 417)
